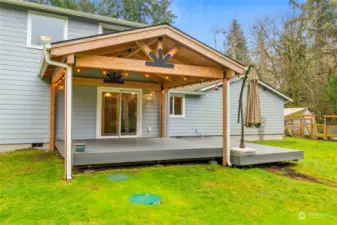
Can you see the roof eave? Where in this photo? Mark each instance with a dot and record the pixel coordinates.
(72, 13)
(260, 82)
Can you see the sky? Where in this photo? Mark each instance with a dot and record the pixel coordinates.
(199, 17)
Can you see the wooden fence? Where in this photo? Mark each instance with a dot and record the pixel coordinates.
(306, 126)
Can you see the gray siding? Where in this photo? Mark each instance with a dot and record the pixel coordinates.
(24, 98)
(204, 113)
(84, 113)
(151, 115)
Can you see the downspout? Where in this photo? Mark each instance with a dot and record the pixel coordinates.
(228, 125)
(68, 111)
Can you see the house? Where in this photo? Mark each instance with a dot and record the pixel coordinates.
(24, 97)
(71, 80)
(202, 111)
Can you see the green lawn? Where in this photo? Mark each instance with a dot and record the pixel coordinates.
(320, 157)
(32, 192)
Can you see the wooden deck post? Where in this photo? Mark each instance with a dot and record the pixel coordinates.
(52, 118)
(163, 114)
(224, 120)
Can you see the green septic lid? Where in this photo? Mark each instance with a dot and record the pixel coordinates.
(118, 177)
(145, 199)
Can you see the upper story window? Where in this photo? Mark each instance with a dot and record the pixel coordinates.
(177, 105)
(109, 28)
(45, 28)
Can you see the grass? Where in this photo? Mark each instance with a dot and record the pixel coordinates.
(320, 157)
(32, 192)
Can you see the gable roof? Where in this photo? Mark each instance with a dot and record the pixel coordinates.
(210, 85)
(196, 51)
(291, 111)
(71, 12)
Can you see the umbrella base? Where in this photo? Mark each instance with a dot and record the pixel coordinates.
(243, 151)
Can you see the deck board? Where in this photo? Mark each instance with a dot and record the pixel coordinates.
(138, 150)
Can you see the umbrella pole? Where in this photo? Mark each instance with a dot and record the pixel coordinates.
(242, 141)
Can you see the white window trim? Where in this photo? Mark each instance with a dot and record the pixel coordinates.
(183, 102)
(109, 26)
(100, 90)
(29, 27)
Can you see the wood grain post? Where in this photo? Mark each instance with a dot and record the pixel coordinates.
(163, 114)
(52, 118)
(224, 120)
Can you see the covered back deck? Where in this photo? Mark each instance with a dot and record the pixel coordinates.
(161, 56)
(149, 150)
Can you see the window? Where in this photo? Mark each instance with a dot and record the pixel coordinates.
(177, 106)
(108, 28)
(40, 25)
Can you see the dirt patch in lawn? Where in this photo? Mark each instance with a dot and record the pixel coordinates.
(290, 173)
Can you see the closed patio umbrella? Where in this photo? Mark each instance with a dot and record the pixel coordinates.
(253, 114)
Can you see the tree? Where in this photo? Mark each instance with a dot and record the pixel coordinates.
(160, 12)
(87, 6)
(235, 44)
(68, 4)
(299, 54)
(141, 11)
(330, 93)
(110, 8)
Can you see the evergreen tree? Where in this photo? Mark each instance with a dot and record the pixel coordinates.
(111, 8)
(87, 6)
(68, 4)
(330, 93)
(160, 12)
(235, 44)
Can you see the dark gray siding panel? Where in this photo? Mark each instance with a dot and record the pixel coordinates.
(204, 114)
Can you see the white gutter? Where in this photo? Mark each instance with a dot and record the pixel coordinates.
(68, 110)
(228, 125)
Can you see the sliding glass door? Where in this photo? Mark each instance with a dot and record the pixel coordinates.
(110, 114)
(129, 114)
(119, 113)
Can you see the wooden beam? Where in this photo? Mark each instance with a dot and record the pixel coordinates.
(139, 49)
(52, 119)
(145, 48)
(173, 51)
(70, 59)
(127, 84)
(160, 45)
(224, 121)
(163, 114)
(57, 75)
(122, 64)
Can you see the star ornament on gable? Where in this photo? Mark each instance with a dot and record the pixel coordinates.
(160, 61)
(114, 77)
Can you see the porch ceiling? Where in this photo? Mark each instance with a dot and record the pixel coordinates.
(128, 51)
